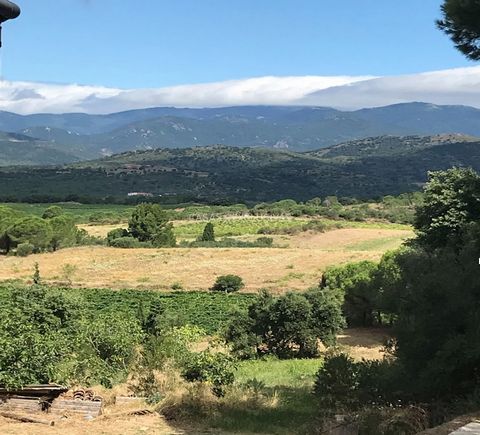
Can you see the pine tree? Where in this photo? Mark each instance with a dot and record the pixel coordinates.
(208, 233)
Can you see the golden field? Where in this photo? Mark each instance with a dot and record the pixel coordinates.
(297, 266)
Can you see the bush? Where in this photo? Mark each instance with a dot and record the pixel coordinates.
(117, 233)
(336, 383)
(53, 211)
(25, 249)
(128, 243)
(217, 369)
(344, 385)
(261, 242)
(264, 241)
(228, 284)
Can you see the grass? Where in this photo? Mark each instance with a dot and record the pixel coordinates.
(275, 411)
(248, 226)
(275, 373)
(195, 268)
(296, 267)
(274, 396)
(236, 227)
(269, 397)
(381, 244)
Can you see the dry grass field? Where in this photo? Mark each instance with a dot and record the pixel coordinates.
(148, 425)
(298, 266)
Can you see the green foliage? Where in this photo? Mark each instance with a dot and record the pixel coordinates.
(111, 339)
(207, 310)
(228, 284)
(36, 274)
(437, 338)
(64, 231)
(25, 249)
(261, 242)
(451, 200)
(343, 385)
(208, 234)
(460, 23)
(336, 383)
(47, 336)
(128, 243)
(216, 369)
(117, 233)
(32, 230)
(149, 223)
(288, 326)
(52, 212)
(353, 285)
(34, 327)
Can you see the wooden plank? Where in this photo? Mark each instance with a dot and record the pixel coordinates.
(25, 419)
(76, 406)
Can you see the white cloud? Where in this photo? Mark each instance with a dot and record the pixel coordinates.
(457, 86)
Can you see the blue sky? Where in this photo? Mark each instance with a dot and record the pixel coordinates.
(158, 43)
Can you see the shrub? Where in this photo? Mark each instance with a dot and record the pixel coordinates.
(336, 383)
(36, 274)
(216, 369)
(128, 243)
(345, 385)
(228, 284)
(25, 249)
(117, 233)
(53, 211)
(264, 241)
(261, 242)
(208, 233)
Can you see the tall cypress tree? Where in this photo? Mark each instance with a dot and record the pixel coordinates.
(208, 233)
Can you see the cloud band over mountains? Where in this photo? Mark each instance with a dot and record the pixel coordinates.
(455, 86)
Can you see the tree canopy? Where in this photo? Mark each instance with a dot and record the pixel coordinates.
(461, 22)
(288, 326)
(150, 223)
(451, 200)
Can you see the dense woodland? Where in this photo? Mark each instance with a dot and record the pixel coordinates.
(366, 169)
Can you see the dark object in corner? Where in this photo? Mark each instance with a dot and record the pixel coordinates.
(8, 11)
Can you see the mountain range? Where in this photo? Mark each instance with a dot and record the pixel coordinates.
(50, 139)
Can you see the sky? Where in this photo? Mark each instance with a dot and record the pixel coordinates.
(122, 55)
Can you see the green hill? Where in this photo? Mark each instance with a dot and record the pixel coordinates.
(362, 169)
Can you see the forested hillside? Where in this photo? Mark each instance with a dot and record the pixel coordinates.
(364, 169)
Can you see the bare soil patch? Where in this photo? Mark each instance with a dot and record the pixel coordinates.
(364, 343)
